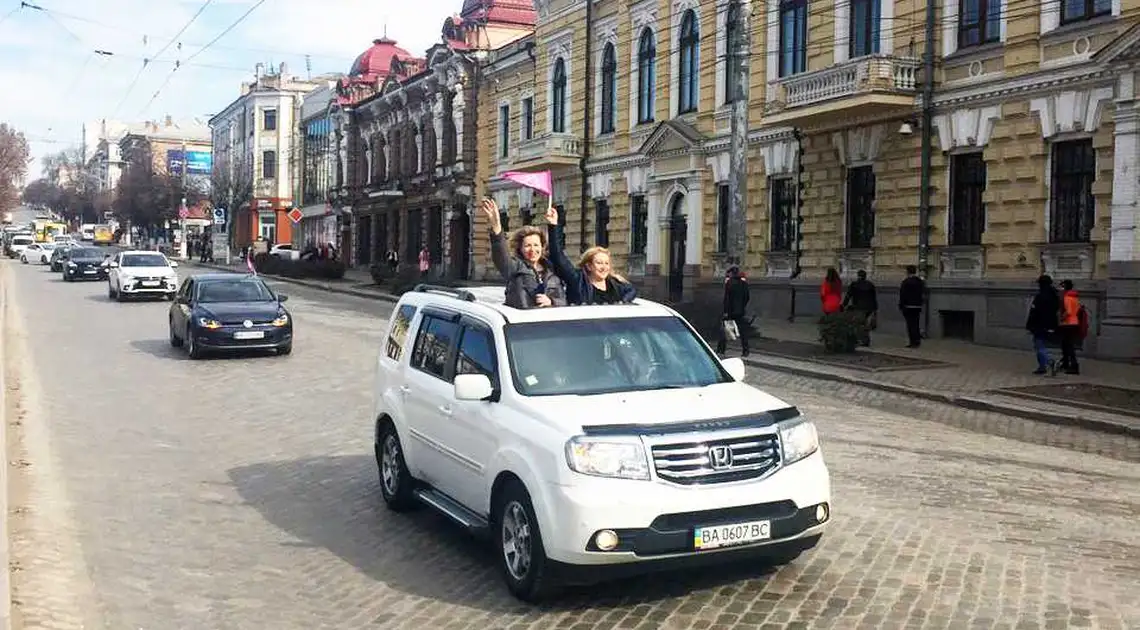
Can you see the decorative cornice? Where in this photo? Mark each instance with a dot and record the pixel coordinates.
(1027, 85)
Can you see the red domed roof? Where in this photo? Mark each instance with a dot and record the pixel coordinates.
(376, 62)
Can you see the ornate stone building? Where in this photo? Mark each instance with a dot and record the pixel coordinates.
(413, 144)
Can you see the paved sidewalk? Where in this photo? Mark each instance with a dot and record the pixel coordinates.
(968, 378)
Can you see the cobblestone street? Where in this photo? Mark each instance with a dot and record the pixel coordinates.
(154, 493)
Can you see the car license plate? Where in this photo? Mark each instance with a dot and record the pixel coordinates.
(151, 283)
(88, 271)
(731, 535)
(249, 334)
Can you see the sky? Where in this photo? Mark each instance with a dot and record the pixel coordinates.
(54, 81)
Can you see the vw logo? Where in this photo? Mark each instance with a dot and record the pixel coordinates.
(247, 324)
(720, 457)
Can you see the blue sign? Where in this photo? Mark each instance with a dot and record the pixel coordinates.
(200, 162)
(219, 216)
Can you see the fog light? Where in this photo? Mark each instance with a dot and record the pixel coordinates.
(821, 512)
(606, 539)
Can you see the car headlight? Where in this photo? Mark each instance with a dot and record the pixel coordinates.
(72, 265)
(281, 320)
(799, 439)
(609, 457)
(206, 322)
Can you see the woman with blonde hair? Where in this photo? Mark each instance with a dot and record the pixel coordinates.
(593, 280)
(530, 281)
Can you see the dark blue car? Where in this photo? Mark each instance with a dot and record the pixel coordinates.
(226, 312)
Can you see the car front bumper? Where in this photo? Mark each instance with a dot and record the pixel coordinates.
(229, 337)
(151, 286)
(655, 521)
(86, 274)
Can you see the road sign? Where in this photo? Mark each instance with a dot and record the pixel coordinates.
(295, 215)
(219, 216)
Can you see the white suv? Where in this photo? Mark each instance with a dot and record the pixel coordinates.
(589, 441)
(141, 272)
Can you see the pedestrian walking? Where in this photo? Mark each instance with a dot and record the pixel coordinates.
(736, 296)
(912, 294)
(831, 292)
(863, 300)
(1073, 324)
(1042, 322)
(425, 261)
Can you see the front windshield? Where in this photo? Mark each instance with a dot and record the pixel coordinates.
(48, 246)
(21, 240)
(603, 356)
(143, 260)
(86, 253)
(244, 290)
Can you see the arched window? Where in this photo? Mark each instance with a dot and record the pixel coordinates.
(731, 34)
(609, 88)
(558, 98)
(646, 76)
(690, 75)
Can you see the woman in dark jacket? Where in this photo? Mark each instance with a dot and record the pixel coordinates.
(531, 283)
(1042, 320)
(592, 281)
(736, 297)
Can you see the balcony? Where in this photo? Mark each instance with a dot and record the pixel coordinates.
(868, 86)
(549, 151)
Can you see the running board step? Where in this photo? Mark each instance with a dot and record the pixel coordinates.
(452, 509)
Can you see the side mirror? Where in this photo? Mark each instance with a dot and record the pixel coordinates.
(113, 265)
(734, 367)
(282, 298)
(173, 265)
(473, 387)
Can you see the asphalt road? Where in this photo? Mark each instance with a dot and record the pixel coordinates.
(154, 492)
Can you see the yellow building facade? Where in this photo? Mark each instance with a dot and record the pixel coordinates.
(1034, 158)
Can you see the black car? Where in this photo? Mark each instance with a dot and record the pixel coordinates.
(229, 312)
(84, 263)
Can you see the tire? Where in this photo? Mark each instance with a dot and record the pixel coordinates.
(120, 297)
(285, 349)
(518, 541)
(396, 483)
(24, 259)
(66, 278)
(110, 292)
(175, 342)
(193, 350)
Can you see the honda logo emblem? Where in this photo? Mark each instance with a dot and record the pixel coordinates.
(720, 457)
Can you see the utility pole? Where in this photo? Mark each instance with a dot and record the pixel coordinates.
(738, 147)
(182, 220)
(927, 154)
(587, 118)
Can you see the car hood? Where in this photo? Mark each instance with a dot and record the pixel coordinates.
(238, 311)
(656, 407)
(86, 261)
(147, 271)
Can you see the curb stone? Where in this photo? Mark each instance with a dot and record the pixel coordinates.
(964, 401)
(5, 550)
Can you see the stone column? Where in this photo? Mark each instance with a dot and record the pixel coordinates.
(437, 125)
(1120, 329)
(458, 105)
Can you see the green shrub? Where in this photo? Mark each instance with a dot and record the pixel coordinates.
(311, 269)
(841, 332)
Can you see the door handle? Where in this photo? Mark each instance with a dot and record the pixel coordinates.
(445, 410)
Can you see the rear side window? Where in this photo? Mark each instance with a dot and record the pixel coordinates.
(433, 344)
(399, 333)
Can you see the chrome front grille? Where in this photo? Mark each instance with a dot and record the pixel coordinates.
(717, 461)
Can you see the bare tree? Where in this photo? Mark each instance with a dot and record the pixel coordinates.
(14, 153)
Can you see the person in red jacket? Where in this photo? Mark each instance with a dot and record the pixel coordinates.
(831, 292)
(1069, 329)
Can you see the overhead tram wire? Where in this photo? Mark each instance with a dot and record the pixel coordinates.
(11, 13)
(201, 50)
(146, 61)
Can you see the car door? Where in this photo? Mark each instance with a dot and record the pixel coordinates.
(471, 434)
(180, 310)
(429, 396)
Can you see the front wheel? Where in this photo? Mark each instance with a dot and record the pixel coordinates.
(24, 259)
(522, 556)
(175, 341)
(395, 480)
(285, 349)
(192, 347)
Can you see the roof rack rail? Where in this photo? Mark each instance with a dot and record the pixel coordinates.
(462, 294)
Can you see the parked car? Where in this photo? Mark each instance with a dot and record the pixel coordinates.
(141, 273)
(84, 263)
(37, 253)
(227, 312)
(589, 441)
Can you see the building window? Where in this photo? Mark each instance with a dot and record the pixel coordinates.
(268, 164)
(415, 239)
(860, 207)
(979, 22)
(602, 223)
(864, 27)
(967, 210)
(690, 71)
(1071, 203)
(609, 89)
(723, 209)
(527, 214)
(558, 98)
(732, 44)
(783, 209)
(528, 118)
(1081, 10)
(639, 224)
(269, 120)
(504, 130)
(646, 76)
(793, 37)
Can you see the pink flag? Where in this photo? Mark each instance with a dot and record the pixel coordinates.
(539, 181)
